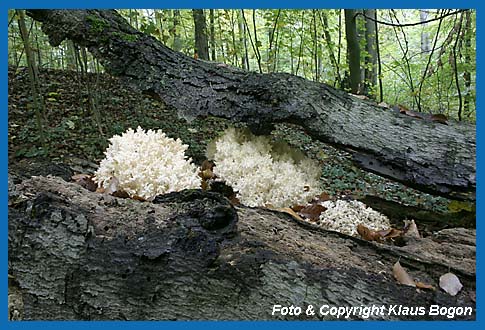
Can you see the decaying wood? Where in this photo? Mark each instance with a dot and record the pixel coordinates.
(427, 220)
(75, 254)
(430, 156)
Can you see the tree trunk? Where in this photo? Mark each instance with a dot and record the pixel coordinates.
(79, 255)
(468, 60)
(200, 34)
(212, 35)
(421, 153)
(177, 42)
(425, 45)
(353, 50)
(243, 41)
(371, 56)
(328, 41)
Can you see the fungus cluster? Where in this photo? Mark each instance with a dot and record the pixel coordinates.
(264, 173)
(146, 163)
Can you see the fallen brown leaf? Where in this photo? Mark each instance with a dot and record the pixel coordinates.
(394, 233)
(322, 197)
(289, 211)
(312, 212)
(297, 208)
(120, 194)
(368, 234)
(401, 275)
(421, 285)
(286, 210)
(85, 181)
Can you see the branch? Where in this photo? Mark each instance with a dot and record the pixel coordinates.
(412, 24)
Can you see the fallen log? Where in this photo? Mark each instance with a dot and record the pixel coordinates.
(80, 255)
(427, 155)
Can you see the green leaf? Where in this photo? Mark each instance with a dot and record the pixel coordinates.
(70, 124)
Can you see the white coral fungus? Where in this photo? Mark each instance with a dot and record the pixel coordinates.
(146, 164)
(345, 216)
(262, 172)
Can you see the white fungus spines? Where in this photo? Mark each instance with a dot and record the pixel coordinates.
(344, 216)
(146, 164)
(262, 172)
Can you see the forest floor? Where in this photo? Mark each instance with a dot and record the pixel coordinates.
(72, 132)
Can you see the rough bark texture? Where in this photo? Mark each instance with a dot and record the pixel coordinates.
(200, 34)
(353, 50)
(426, 155)
(74, 254)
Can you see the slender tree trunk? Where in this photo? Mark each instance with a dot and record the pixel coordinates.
(353, 50)
(18, 58)
(235, 59)
(425, 45)
(256, 42)
(255, 50)
(177, 42)
(71, 56)
(221, 37)
(39, 53)
(159, 23)
(466, 74)
(339, 46)
(212, 35)
(271, 39)
(243, 40)
(291, 52)
(200, 34)
(455, 68)
(379, 64)
(426, 69)
(34, 78)
(300, 52)
(315, 46)
(276, 51)
(330, 50)
(371, 56)
(404, 46)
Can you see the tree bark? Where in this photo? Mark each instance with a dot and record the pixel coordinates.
(212, 35)
(353, 50)
(371, 56)
(177, 42)
(421, 153)
(200, 34)
(80, 255)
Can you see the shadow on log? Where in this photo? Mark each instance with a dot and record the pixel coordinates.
(430, 156)
(78, 255)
